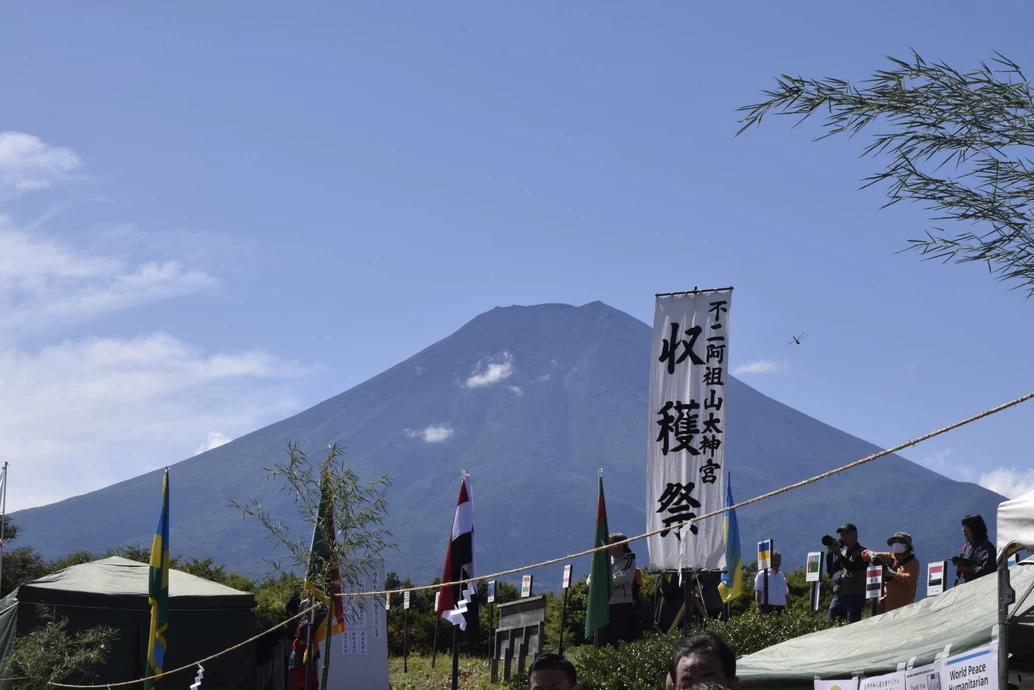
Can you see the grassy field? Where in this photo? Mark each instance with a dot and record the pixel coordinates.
(473, 673)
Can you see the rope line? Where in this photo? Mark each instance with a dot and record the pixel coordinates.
(554, 561)
(770, 494)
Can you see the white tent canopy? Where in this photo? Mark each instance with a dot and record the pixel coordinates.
(1016, 525)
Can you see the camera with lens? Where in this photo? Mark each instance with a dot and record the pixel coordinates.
(829, 541)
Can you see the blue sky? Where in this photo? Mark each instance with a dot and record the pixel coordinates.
(216, 215)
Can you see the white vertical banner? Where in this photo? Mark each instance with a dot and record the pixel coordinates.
(685, 459)
(359, 660)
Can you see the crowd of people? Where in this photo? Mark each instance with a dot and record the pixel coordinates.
(847, 562)
(703, 662)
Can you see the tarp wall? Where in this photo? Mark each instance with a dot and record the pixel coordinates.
(962, 617)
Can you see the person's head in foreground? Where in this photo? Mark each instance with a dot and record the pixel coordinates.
(553, 672)
(704, 659)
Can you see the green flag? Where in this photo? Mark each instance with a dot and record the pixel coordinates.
(601, 583)
(158, 593)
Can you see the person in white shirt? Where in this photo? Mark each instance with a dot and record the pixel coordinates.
(778, 590)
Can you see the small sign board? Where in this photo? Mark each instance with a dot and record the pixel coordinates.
(935, 574)
(567, 577)
(405, 601)
(387, 602)
(526, 587)
(436, 595)
(814, 571)
(977, 668)
(891, 681)
(764, 554)
(873, 582)
(924, 677)
(491, 591)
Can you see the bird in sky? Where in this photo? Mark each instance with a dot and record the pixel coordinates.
(798, 339)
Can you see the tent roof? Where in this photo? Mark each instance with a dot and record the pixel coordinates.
(119, 582)
(962, 617)
(1016, 524)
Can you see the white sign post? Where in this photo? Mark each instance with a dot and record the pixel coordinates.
(935, 577)
(360, 660)
(525, 587)
(813, 574)
(874, 585)
(567, 577)
(685, 460)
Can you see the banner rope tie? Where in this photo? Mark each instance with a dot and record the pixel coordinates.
(554, 561)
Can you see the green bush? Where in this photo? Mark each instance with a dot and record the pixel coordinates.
(750, 633)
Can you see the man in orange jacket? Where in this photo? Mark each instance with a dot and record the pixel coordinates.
(901, 571)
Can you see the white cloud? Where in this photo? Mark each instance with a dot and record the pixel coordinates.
(80, 414)
(516, 390)
(435, 433)
(90, 412)
(1008, 481)
(762, 366)
(215, 439)
(44, 283)
(490, 371)
(938, 460)
(27, 163)
(543, 378)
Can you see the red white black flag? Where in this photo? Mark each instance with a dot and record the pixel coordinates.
(458, 603)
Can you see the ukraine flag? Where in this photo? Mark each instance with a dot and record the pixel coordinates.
(732, 581)
(158, 592)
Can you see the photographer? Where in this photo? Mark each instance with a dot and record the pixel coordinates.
(845, 557)
(900, 571)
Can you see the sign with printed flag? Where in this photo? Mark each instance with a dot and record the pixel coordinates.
(814, 571)
(935, 578)
(158, 593)
(873, 582)
(526, 587)
(567, 577)
(491, 591)
(405, 601)
(387, 602)
(764, 554)
(685, 460)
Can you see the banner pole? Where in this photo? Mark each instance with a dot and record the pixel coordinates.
(455, 658)
(694, 291)
(405, 645)
(434, 644)
(563, 623)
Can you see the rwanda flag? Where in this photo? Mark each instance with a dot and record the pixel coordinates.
(158, 592)
(732, 581)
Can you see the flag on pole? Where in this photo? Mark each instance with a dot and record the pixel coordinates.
(601, 583)
(323, 576)
(158, 592)
(732, 580)
(764, 555)
(457, 603)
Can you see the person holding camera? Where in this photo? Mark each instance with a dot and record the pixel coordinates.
(900, 571)
(845, 557)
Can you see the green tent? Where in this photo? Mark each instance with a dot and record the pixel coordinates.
(204, 618)
(964, 617)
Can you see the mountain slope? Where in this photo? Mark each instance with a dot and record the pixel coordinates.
(530, 401)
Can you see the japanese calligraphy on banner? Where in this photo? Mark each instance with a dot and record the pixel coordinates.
(891, 681)
(359, 655)
(685, 460)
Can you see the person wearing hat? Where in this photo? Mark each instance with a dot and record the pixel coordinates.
(900, 571)
(845, 557)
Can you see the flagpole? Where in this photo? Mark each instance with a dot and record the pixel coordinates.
(455, 658)
(3, 518)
